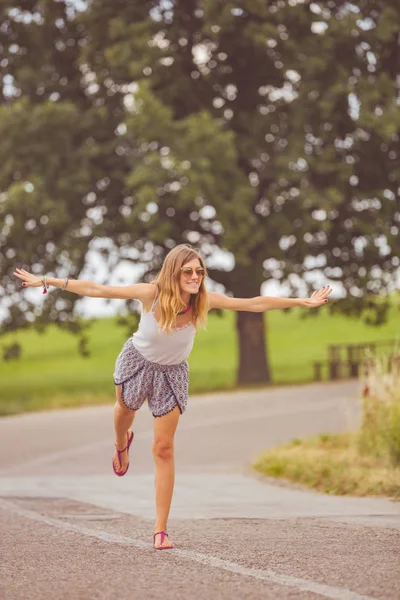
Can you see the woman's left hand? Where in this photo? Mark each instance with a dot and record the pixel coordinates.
(318, 298)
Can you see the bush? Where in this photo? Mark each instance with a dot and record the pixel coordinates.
(358, 463)
(12, 352)
(379, 435)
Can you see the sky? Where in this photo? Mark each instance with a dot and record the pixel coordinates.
(126, 273)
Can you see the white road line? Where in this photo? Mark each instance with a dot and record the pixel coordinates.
(267, 575)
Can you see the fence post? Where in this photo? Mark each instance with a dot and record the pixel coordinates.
(334, 361)
(353, 359)
(317, 371)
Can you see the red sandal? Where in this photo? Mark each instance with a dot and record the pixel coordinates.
(119, 452)
(163, 536)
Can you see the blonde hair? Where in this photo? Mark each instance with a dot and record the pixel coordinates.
(169, 293)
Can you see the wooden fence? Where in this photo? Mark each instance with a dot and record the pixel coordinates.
(346, 360)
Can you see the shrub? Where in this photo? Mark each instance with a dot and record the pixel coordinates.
(379, 435)
(12, 352)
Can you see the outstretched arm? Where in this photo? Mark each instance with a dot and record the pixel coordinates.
(263, 303)
(138, 291)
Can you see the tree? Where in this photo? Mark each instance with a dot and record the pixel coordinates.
(48, 157)
(65, 166)
(269, 129)
(285, 79)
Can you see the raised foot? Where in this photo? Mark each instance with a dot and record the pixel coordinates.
(161, 541)
(121, 457)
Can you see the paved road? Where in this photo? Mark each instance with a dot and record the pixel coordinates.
(72, 530)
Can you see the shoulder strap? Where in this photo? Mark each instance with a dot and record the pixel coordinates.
(155, 299)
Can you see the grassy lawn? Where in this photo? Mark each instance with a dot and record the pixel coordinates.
(51, 373)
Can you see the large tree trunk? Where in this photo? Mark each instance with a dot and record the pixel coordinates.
(253, 357)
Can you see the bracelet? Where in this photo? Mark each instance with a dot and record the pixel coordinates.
(45, 284)
(64, 287)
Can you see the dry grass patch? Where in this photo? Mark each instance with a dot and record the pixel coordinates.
(331, 464)
(360, 463)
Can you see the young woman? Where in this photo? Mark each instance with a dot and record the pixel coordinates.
(153, 365)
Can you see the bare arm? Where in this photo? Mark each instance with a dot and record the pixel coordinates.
(139, 291)
(263, 303)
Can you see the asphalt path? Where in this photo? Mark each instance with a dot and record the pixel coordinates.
(72, 530)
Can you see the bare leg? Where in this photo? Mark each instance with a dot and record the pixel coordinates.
(163, 452)
(123, 419)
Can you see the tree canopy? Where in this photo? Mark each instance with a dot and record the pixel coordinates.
(269, 129)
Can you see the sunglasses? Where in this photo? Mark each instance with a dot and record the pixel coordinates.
(189, 271)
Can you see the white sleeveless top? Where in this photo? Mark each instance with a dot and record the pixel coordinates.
(159, 347)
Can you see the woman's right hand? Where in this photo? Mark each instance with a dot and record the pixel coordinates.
(28, 279)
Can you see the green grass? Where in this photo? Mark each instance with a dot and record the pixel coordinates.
(51, 373)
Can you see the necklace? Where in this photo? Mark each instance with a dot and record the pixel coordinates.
(186, 310)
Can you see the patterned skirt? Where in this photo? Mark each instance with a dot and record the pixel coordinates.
(164, 386)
